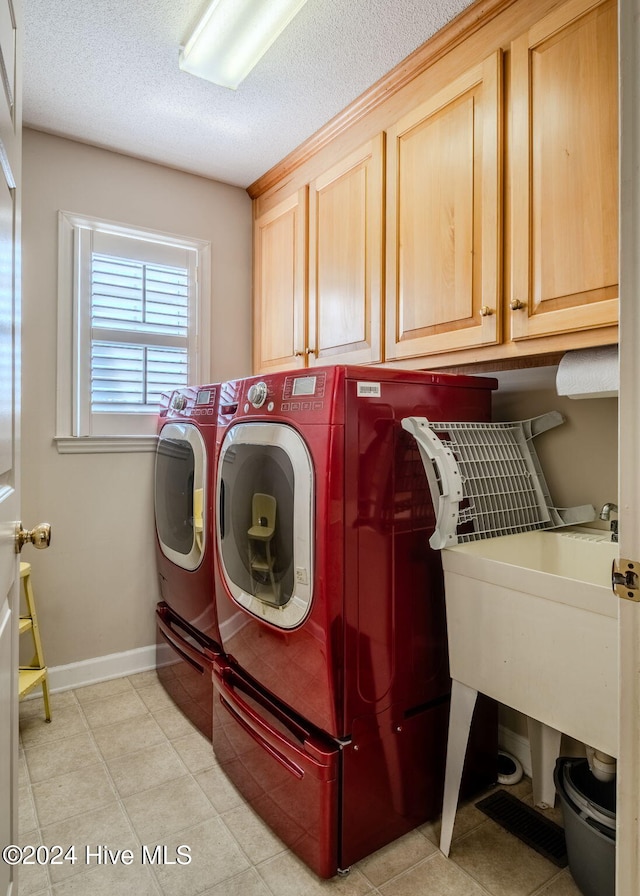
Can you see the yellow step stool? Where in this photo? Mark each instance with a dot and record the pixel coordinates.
(36, 673)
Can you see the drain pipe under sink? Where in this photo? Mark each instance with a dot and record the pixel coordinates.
(602, 766)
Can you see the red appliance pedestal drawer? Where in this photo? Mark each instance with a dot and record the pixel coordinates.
(183, 664)
(287, 773)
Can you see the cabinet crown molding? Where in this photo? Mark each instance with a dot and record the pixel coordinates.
(455, 32)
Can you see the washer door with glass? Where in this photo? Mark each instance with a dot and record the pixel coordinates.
(179, 494)
(265, 494)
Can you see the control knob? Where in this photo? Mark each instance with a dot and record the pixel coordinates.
(179, 402)
(257, 394)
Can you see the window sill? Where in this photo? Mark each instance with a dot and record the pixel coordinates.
(105, 444)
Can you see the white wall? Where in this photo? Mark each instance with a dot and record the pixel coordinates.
(580, 457)
(96, 585)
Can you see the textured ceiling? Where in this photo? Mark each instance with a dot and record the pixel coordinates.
(106, 72)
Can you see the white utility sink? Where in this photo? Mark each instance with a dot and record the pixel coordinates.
(532, 622)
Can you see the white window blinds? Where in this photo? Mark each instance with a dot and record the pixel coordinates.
(139, 332)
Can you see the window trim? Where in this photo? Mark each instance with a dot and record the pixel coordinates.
(73, 433)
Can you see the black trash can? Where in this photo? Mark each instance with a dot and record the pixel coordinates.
(589, 813)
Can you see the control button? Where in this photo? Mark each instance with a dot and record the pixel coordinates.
(246, 407)
(257, 394)
(179, 402)
(270, 406)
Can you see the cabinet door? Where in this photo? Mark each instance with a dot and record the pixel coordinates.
(345, 259)
(564, 164)
(280, 250)
(443, 218)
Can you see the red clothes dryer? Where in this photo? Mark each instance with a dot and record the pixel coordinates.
(332, 703)
(188, 637)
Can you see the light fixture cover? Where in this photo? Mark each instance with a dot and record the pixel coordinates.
(233, 35)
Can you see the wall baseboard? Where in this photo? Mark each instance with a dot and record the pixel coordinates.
(101, 668)
(116, 665)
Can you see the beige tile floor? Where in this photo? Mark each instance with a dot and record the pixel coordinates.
(120, 767)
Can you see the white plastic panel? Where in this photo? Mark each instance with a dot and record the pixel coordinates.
(486, 479)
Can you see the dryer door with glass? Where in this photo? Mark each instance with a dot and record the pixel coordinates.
(179, 494)
(265, 493)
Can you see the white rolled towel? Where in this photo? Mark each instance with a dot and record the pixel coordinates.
(589, 373)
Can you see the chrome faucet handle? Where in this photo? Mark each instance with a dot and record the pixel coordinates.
(614, 530)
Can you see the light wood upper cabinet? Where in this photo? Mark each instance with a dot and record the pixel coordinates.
(564, 164)
(318, 269)
(393, 248)
(443, 218)
(280, 297)
(345, 259)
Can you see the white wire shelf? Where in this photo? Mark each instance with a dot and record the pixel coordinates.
(486, 479)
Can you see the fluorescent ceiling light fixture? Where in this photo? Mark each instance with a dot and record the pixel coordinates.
(232, 37)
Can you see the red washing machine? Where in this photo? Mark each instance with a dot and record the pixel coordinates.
(332, 699)
(188, 638)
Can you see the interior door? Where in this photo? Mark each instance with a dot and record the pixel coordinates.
(628, 829)
(10, 151)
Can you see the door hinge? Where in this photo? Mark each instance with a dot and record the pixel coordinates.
(625, 578)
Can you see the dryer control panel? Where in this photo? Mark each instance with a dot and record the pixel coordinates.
(286, 393)
(304, 393)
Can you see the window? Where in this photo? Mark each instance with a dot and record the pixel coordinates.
(130, 328)
(139, 331)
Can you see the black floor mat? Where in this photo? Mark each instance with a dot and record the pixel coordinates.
(541, 834)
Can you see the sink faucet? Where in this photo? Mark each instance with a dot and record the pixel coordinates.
(605, 514)
(607, 510)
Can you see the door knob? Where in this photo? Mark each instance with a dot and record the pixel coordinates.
(40, 536)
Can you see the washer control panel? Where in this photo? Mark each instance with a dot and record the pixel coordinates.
(190, 401)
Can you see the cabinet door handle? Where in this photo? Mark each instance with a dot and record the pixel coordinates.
(312, 351)
(298, 354)
(516, 305)
(485, 311)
